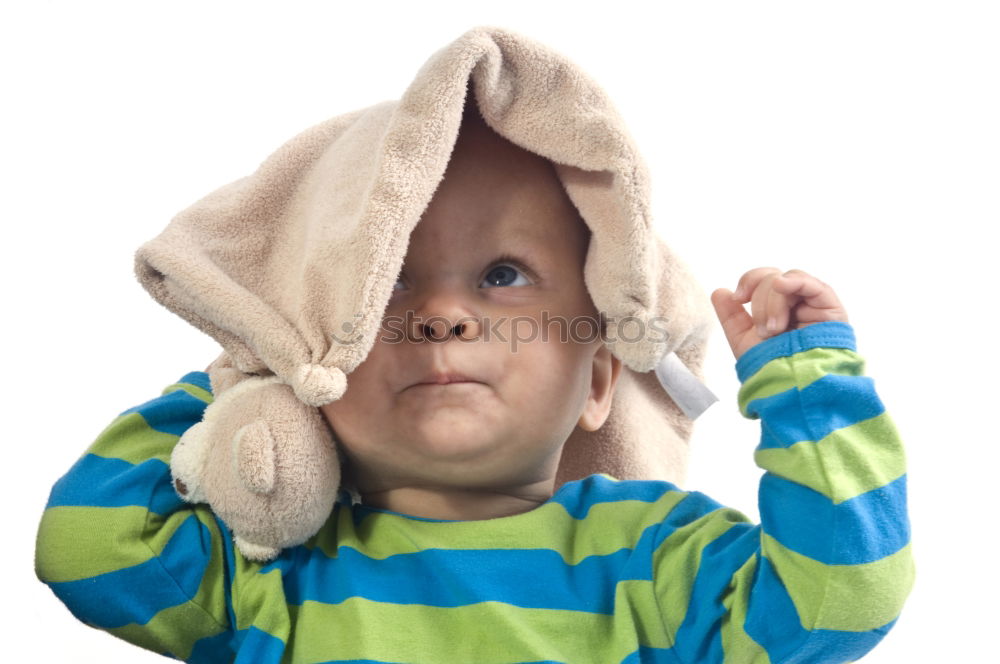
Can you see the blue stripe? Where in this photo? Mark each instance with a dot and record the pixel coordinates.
(578, 497)
(693, 507)
(773, 622)
(456, 577)
(229, 569)
(255, 646)
(830, 403)
(699, 638)
(650, 655)
(172, 413)
(136, 594)
(817, 335)
(868, 527)
(212, 649)
(772, 619)
(833, 647)
(96, 481)
(198, 379)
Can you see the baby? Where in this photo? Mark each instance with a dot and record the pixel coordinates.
(460, 549)
(446, 418)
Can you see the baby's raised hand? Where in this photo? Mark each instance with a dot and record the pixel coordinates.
(778, 302)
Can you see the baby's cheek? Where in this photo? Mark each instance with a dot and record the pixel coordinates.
(338, 414)
(325, 411)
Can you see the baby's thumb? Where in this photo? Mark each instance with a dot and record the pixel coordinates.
(731, 314)
(725, 306)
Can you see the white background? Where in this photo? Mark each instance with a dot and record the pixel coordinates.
(856, 140)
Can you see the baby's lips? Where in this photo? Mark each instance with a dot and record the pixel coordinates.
(444, 377)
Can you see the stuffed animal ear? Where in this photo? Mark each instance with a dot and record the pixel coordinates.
(223, 374)
(253, 449)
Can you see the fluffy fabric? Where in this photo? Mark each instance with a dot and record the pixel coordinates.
(290, 269)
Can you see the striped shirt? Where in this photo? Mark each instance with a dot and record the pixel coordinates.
(604, 571)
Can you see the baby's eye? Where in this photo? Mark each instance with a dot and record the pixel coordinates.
(503, 274)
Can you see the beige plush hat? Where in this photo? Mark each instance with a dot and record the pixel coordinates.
(284, 265)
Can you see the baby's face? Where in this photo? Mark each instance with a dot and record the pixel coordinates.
(459, 308)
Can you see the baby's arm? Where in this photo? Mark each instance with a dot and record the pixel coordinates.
(124, 553)
(824, 576)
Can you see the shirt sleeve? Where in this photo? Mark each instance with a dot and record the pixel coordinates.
(124, 552)
(824, 576)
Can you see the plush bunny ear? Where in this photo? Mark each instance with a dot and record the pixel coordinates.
(262, 459)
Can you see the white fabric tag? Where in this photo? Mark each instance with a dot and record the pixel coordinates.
(690, 394)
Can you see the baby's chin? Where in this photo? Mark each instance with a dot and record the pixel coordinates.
(456, 442)
(473, 455)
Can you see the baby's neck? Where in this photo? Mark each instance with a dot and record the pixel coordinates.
(459, 504)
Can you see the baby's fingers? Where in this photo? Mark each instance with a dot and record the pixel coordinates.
(815, 300)
(809, 288)
(769, 307)
(750, 280)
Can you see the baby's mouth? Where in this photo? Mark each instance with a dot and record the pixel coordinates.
(444, 379)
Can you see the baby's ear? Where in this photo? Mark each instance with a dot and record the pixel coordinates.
(604, 377)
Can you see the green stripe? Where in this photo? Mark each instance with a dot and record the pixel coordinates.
(736, 643)
(98, 540)
(638, 600)
(826, 596)
(607, 528)
(528, 634)
(259, 601)
(211, 595)
(174, 630)
(798, 370)
(677, 560)
(844, 464)
(91, 541)
(130, 438)
(197, 392)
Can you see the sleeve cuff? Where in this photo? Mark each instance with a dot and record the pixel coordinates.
(816, 335)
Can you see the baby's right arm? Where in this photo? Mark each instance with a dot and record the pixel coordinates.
(124, 552)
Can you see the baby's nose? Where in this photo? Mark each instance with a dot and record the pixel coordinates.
(445, 311)
(440, 328)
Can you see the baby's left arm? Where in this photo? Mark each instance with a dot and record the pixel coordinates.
(824, 575)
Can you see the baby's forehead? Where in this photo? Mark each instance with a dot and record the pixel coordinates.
(496, 196)
(514, 177)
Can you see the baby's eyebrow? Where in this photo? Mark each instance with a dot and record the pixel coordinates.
(526, 244)
(534, 257)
